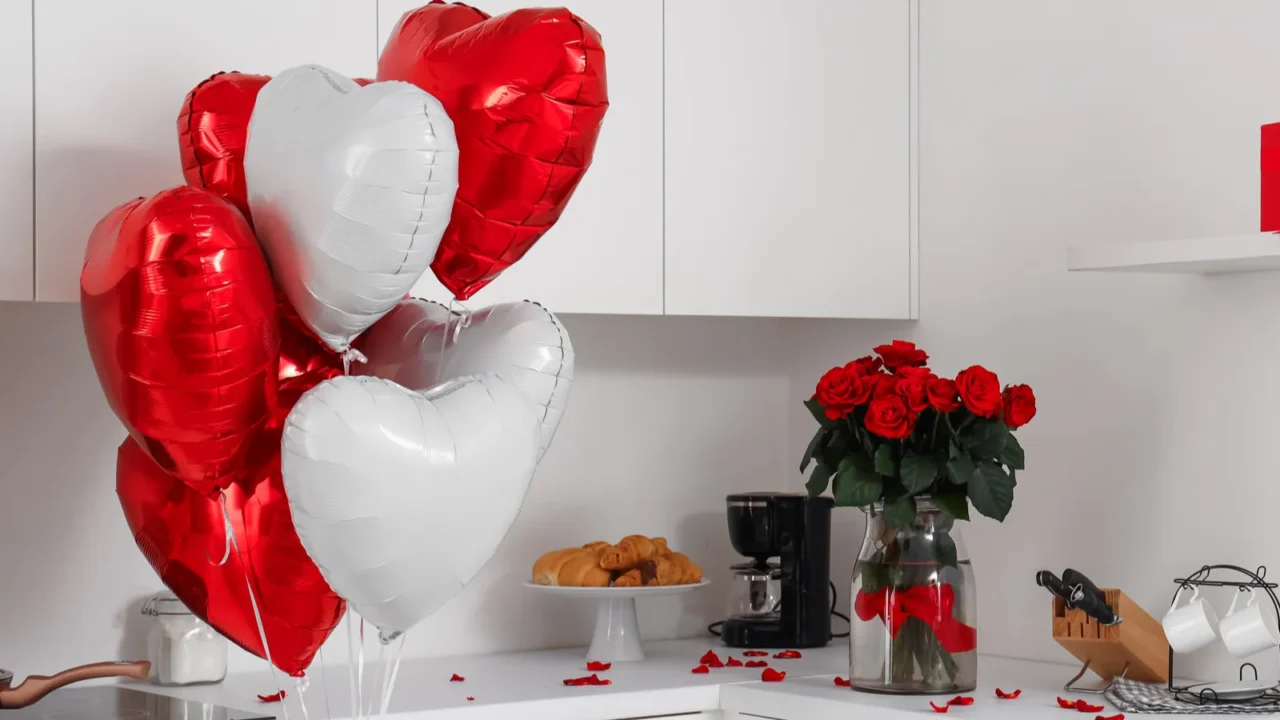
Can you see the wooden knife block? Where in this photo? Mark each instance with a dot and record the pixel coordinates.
(1138, 641)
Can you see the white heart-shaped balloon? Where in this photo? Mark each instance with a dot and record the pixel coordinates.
(351, 189)
(520, 342)
(399, 496)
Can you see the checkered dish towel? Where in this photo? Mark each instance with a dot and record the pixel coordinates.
(1132, 696)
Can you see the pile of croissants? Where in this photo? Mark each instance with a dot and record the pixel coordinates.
(636, 561)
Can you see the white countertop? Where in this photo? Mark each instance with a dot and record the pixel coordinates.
(528, 686)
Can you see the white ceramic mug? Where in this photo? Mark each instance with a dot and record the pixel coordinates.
(1250, 629)
(1192, 626)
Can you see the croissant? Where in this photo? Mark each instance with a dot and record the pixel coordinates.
(666, 572)
(582, 569)
(546, 569)
(630, 578)
(661, 544)
(690, 573)
(597, 545)
(630, 551)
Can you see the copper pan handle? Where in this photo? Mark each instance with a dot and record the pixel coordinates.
(35, 687)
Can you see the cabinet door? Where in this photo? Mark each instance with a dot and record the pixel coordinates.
(18, 236)
(605, 253)
(789, 158)
(110, 81)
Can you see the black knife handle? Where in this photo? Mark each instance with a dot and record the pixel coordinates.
(1050, 582)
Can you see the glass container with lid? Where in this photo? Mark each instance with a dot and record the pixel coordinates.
(182, 648)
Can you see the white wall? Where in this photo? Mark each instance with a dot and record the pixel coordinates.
(1046, 124)
(668, 416)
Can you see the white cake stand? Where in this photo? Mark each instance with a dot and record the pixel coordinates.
(617, 635)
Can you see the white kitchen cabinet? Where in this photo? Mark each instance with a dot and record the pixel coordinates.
(109, 82)
(17, 240)
(789, 158)
(605, 253)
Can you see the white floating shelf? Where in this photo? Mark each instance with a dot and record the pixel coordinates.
(1228, 254)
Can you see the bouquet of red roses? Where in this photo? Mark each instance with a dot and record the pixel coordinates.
(891, 430)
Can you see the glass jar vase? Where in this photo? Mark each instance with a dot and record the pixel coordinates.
(914, 628)
(182, 648)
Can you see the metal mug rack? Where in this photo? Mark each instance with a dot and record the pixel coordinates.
(1202, 578)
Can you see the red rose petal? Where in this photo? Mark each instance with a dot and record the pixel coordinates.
(757, 663)
(701, 670)
(787, 655)
(714, 662)
(273, 697)
(1009, 695)
(1068, 704)
(771, 675)
(578, 682)
(456, 678)
(593, 666)
(755, 653)
(469, 698)
(732, 662)
(842, 682)
(595, 680)
(939, 708)
(709, 657)
(960, 700)
(1117, 716)
(1085, 707)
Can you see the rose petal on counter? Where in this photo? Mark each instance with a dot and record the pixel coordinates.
(1010, 695)
(1117, 716)
(755, 653)
(470, 699)
(1067, 704)
(594, 666)
(1085, 707)
(701, 670)
(771, 675)
(787, 655)
(732, 661)
(757, 663)
(456, 678)
(843, 682)
(273, 697)
(939, 708)
(709, 658)
(714, 662)
(960, 700)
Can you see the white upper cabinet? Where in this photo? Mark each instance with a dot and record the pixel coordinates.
(789, 175)
(605, 253)
(110, 80)
(17, 240)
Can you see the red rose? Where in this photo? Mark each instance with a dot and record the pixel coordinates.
(840, 391)
(882, 384)
(1019, 405)
(913, 386)
(979, 388)
(901, 353)
(889, 417)
(943, 395)
(865, 365)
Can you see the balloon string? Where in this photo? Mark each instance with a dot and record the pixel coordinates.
(360, 673)
(351, 665)
(391, 683)
(379, 689)
(464, 318)
(301, 684)
(227, 532)
(324, 682)
(349, 356)
(257, 614)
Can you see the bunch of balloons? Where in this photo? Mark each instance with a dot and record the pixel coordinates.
(302, 435)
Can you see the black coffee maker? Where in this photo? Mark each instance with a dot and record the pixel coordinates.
(785, 604)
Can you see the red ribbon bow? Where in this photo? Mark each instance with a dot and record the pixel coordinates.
(932, 604)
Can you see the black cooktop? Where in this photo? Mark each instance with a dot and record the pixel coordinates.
(120, 703)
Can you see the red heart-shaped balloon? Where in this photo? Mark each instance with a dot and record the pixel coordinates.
(181, 533)
(181, 323)
(213, 128)
(526, 92)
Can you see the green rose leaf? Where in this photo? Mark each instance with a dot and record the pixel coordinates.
(1011, 454)
(954, 504)
(818, 413)
(918, 472)
(884, 461)
(855, 488)
(961, 470)
(944, 547)
(818, 479)
(991, 490)
(984, 438)
(900, 513)
(815, 445)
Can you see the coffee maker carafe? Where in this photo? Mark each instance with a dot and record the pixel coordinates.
(786, 604)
